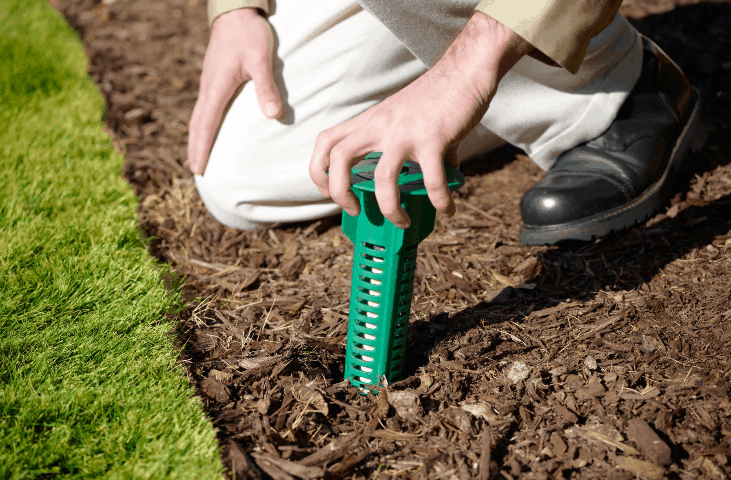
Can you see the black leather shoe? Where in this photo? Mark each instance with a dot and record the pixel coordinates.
(627, 173)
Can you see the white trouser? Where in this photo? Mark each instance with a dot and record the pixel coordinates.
(336, 61)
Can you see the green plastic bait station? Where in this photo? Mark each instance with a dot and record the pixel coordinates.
(384, 262)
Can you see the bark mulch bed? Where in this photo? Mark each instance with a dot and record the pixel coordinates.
(602, 360)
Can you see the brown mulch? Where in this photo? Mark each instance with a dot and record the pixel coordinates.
(601, 360)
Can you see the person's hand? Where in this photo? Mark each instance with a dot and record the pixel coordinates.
(241, 48)
(424, 122)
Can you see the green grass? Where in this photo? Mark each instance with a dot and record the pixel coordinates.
(89, 384)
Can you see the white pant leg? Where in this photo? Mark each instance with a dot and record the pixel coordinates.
(545, 110)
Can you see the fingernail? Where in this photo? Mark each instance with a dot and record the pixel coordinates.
(271, 108)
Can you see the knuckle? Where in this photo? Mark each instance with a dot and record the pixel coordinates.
(389, 212)
(384, 173)
(440, 202)
(339, 154)
(433, 184)
(315, 174)
(323, 138)
(340, 197)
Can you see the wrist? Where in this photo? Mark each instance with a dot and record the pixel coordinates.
(484, 52)
(238, 15)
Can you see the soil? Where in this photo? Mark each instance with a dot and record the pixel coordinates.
(601, 360)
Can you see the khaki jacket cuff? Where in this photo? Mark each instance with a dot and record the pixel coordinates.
(560, 30)
(216, 8)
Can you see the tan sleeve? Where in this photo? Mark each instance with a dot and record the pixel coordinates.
(216, 8)
(559, 29)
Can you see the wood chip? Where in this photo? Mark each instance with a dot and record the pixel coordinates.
(603, 438)
(298, 470)
(292, 269)
(641, 468)
(645, 394)
(549, 311)
(241, 463)
(649, 442)
(484, 465)
(272, 470)
(256, 362)
(215, 390)
(341, 469)
(712, 470)
(334, 450)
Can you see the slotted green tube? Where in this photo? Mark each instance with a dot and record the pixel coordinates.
(384, 262)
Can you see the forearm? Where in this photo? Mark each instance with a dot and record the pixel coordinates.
(469, 71)
(483, 53)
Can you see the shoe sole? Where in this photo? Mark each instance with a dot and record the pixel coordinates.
(692, 137)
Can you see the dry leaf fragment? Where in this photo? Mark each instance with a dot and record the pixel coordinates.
(310, 398)
(459, 418)
(481, 410)
(256, 362)
(262, 406)
(712, 470)
(222, 377)
(406, 403)
(518, 372)
(647, 392)
(427, 380)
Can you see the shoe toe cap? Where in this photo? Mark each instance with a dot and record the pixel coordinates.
(569, 198)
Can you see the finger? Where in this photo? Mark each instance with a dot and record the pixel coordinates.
(450, 157)
(319, 165)
(320, 159)
(213, 97)
(201, 131)
(435, 181)
(387, 191)
(265, 83)
(342, 158)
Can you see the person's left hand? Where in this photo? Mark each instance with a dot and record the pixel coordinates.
(424, 122)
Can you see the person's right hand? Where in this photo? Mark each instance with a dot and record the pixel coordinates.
(241, 48)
